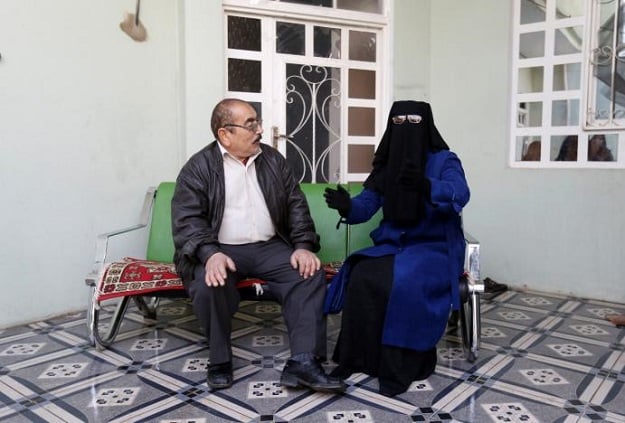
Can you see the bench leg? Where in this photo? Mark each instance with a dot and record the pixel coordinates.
(147, 308)
(93, 321)
(470, 318)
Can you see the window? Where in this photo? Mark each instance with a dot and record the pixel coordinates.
(369, 6)
(560, 118)
(606, 64)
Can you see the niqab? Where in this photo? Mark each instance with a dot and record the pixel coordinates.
(401, 155)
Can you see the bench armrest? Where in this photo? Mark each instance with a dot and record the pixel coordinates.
(472, 256)
(102, 240)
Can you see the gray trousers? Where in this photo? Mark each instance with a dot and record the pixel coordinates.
(301, 299)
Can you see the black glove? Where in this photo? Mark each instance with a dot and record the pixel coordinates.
(413, 180)
(338, 199)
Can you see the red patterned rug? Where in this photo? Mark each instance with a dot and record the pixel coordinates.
(132, 276)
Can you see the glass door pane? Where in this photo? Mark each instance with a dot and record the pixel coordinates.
(331, 103)
(313, 121)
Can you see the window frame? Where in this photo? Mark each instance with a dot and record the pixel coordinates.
(547, 132)
(590, 122)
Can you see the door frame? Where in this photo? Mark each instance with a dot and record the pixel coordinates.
(272, 95)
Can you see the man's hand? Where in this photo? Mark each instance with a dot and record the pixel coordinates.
(306, 262)
(216, 268)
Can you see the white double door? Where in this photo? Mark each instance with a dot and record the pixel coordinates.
(316, 85)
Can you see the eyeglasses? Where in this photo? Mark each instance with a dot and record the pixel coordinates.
(252, 126)
(399, 119)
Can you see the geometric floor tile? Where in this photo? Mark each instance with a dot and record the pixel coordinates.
(358, 416)
(492, 332)
(544, 377)
(266, 389)
(420, 385)
(563, 364)
(536, 301)
(116, 397)
(22, 349)
(268, 341)
(149, 344)
(190, 420)
(569, 350)
(172, 311)
(268, 308)
(589, 330)
(509, 412)
(514, 315)
(63, 370)
(451, 354)
(602, 312)
(196, 365)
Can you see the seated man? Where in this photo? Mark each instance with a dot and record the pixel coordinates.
(400, 291)
(238, 212)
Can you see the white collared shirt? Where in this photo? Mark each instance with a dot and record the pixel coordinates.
(246, 216)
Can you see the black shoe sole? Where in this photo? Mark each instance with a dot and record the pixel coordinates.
(292, 381)
(214, 386)
(217, 386)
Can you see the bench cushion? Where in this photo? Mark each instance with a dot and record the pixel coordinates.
(132, 276)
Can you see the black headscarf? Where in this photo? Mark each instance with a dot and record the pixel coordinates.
(568, 149)
(403, 153)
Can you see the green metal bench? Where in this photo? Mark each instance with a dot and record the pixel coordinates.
(145, 280)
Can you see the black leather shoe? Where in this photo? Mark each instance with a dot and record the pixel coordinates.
(310, 374)
(219, 376)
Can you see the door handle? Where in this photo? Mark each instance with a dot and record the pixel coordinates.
(276, 135)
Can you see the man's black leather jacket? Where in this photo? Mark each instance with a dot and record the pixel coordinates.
(198, 206)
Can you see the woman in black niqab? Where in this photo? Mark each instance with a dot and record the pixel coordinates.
(399, 177)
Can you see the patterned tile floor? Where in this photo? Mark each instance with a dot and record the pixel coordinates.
(543, 358)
